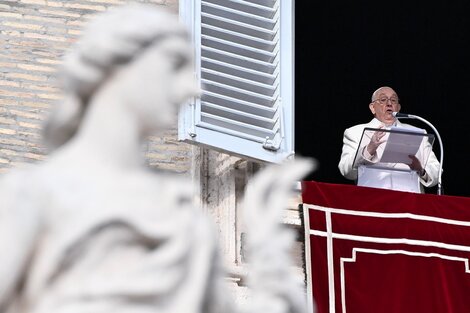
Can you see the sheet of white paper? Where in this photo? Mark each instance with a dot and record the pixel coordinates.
(401, 144)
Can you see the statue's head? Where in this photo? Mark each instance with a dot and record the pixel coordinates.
(140, 53)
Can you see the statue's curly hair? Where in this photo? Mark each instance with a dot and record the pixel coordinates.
(113, 38)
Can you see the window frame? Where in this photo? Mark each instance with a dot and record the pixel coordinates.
(189, 116)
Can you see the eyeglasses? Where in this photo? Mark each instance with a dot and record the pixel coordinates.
(383, 100)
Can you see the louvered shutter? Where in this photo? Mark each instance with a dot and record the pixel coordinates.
(244, 62)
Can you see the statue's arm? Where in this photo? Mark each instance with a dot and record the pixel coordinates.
(19, 223)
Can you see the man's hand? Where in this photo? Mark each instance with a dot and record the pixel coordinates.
(375, 141)
(415, 165)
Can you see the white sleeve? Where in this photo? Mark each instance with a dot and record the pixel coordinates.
(350, 146)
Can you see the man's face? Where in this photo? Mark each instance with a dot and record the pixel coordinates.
(384, 104)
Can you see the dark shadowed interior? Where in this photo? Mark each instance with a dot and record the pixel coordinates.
(347, 49)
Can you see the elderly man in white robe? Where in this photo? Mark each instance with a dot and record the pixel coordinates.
(421, 170)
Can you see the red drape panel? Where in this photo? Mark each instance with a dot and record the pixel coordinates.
(375, 250)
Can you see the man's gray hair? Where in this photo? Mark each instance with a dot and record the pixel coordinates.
(377, 91)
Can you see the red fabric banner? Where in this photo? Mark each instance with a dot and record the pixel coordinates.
(375, 250)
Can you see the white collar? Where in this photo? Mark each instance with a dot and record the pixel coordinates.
(379, 123)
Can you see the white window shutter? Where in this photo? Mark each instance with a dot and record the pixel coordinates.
(244, 56)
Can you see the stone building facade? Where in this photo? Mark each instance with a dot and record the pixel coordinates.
(34, 35)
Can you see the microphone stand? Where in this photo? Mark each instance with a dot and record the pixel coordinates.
(439, 179)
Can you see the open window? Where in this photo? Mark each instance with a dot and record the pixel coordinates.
(244, 52)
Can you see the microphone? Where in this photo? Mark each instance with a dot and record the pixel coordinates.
(398, 115)
(439, 179)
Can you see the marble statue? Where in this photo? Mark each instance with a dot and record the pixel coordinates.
(92, 229)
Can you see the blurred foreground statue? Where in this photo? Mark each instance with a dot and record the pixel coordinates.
(92, 230)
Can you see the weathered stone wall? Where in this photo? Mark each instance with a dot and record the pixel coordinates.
(34, 35)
